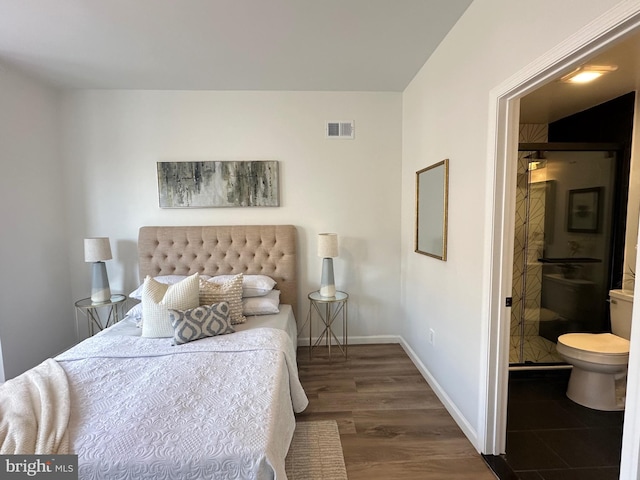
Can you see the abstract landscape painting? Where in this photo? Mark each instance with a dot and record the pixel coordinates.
(218, 184)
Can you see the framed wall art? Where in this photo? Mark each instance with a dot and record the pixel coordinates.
(583, 211)
(218, 184)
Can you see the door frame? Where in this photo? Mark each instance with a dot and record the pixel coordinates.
(620, 21)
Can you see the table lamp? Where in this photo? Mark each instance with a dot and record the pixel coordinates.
(97, 250)
(327, 249)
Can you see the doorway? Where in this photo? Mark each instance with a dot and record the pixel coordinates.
(564, 253)
(621, 20)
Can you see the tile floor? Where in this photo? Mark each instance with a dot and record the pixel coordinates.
(537, 349)
(549, 437)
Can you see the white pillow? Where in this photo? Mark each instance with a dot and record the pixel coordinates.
(252, 285)
(135, 312)
(166, 279)
(158, 298)
(265, 305)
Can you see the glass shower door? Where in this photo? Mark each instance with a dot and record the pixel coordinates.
(562, 250)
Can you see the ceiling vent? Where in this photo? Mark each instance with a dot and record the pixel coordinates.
(340, 129)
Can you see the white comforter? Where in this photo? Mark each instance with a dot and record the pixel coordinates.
(218, 408)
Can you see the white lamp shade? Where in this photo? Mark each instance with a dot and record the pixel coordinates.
(97, 249)
(327, 245)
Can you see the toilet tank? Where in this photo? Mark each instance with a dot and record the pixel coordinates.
(621, 305)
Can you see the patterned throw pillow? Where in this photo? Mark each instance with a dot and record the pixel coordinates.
(157, 298)
(200, 322)
(230, 292)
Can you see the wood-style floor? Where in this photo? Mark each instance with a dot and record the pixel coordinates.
(392, 425)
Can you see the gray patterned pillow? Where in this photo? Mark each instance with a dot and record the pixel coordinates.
(200, 322)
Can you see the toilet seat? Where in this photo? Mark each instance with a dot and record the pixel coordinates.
(601, 348)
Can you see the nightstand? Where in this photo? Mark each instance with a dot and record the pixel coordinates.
(114, 308)
(328, 309)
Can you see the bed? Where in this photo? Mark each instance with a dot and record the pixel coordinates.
(220, 407)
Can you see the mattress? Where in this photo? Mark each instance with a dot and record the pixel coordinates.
(284, 320)
(220, 407)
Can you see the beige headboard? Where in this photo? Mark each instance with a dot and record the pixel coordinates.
(219, 250)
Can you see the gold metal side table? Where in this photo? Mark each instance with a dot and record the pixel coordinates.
(329, 309)
(114, 308)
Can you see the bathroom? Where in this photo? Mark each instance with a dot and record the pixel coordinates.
(570, 248)
(571, 215)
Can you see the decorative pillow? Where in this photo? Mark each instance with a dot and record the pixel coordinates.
(252, 285)
(135, 312)
(230, 292)
(200, 322)
(265, 305)
(158, 298)
(166, 279)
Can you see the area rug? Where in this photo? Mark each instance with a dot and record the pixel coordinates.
(316, 452)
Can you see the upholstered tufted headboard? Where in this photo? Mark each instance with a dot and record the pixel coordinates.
(219, 250)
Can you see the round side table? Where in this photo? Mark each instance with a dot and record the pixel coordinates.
(329, 309)
(91, 310)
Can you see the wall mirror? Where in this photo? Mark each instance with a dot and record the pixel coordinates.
(432, 188)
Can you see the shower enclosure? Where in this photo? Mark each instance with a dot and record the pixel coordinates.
(563, 247)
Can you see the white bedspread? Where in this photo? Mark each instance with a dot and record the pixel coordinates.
(218, 408)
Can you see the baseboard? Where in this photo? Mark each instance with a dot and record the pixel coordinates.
(368, 340)
(458, 417)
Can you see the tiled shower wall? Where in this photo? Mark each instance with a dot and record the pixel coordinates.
(525, 262)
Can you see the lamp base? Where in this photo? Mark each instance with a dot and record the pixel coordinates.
(327, 284)
(100, 291)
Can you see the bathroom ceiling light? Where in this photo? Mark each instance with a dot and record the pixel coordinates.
(587, 73)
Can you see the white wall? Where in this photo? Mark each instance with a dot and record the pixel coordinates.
(446, 115)
(113, 140)
(37, 318)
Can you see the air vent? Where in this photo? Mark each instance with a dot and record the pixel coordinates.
(343, 129)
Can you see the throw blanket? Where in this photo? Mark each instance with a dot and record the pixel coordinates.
(34, 412)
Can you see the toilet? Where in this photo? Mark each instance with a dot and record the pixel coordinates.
(599, 375)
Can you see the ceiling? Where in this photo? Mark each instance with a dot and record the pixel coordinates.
(304, 45)
(557, 100)
(335, 45)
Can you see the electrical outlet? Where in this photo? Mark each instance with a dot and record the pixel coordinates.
(432, 336)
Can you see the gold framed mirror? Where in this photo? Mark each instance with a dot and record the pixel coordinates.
(432, 191)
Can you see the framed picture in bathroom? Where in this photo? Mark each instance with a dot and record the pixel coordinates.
(583, 212)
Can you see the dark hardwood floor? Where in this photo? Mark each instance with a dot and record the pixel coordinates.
(392, 425)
